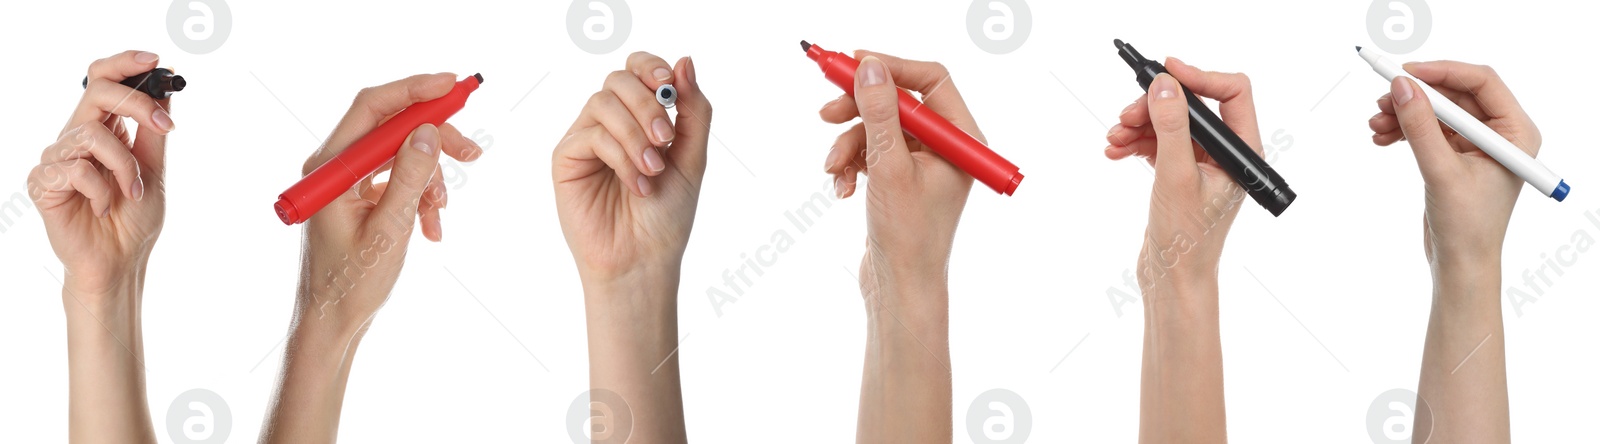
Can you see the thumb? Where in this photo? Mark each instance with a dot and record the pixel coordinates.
(1169, 115)
(414, 164)
(878, 100)
(1414, 109)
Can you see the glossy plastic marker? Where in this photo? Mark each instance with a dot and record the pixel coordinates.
(367, 154)
(933, 130)
(1231, 153)
(1502, 150)
(157, 83)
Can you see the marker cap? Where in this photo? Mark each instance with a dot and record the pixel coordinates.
(286, 211)
(1560, 193)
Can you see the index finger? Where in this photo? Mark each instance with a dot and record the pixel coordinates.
(652, 70)
(373, 105)
(123, 65)
(1481, 81)
(1231, 90)
(932, 81)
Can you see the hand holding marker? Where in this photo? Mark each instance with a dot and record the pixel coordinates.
(1497, 147)
(367, 154)
(1220, 142)
(927, 126)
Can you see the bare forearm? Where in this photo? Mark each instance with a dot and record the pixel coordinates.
(105, 361)
(1463, 381)
(317, 359)
(1180, 395)
(633, 352)
(905, 382)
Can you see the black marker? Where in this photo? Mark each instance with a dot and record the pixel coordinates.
(1232, 153)
(159, 83)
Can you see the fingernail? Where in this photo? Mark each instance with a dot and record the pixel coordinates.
(838, 187)
(872, 73)
(161, 119)
(425, 139)
(1129, 109)
(138, 189)
(833, 157)
(652, 160)
(1402, 91)
(689, 71)
(105, 212)
(1164, 87)
(644, 186)
(146, 57)
(1113, 130)
(663, 74)
(473, 149)
(663, 130)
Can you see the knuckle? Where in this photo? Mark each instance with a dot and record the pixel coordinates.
(879, 108)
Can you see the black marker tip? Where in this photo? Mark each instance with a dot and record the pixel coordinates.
(805, 46)
(1358, 49)
(178, 83)
(1119, 43)
(479, 77)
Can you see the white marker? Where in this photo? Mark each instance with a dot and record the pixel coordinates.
(1514, 159)
(667, 95)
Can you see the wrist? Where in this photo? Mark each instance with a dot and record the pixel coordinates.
(105, 299)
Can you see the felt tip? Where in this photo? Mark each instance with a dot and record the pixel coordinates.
(479, 77)
(805, 46)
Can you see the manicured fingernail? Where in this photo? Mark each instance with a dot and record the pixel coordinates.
(688, 70)
(1129, 109)
(1113, 130)
(146, 57)
(644, 186)
(161, 119)
(663, 130)
(473, 150)
(872, 73)
(425, 139)
(1164, 87)
(652, 160)
(838, 187)
(663, 74)
(1402, 91)
(833, 157)
(138, 189)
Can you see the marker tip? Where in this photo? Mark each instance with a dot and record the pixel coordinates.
(1358, 49)
(805, 46)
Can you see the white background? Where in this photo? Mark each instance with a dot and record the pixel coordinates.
(1337, 316)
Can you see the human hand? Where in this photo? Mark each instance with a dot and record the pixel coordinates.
(915, 197)
(1469, 195)
(1193, 202)
(354, 248)
(627, 179)
(99, 187)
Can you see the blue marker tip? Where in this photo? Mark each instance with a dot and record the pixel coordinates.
(1560, 193)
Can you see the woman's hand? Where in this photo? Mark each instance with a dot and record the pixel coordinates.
(1469, 194)
(99, 187)
(1466, 210)
(1192, 205)
(626, 178)
(915, 197)
(353, 252)
(914, 202)
(1193, 202)
(627, 181)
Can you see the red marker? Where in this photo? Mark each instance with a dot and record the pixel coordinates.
(927, 126)
(367, 154)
